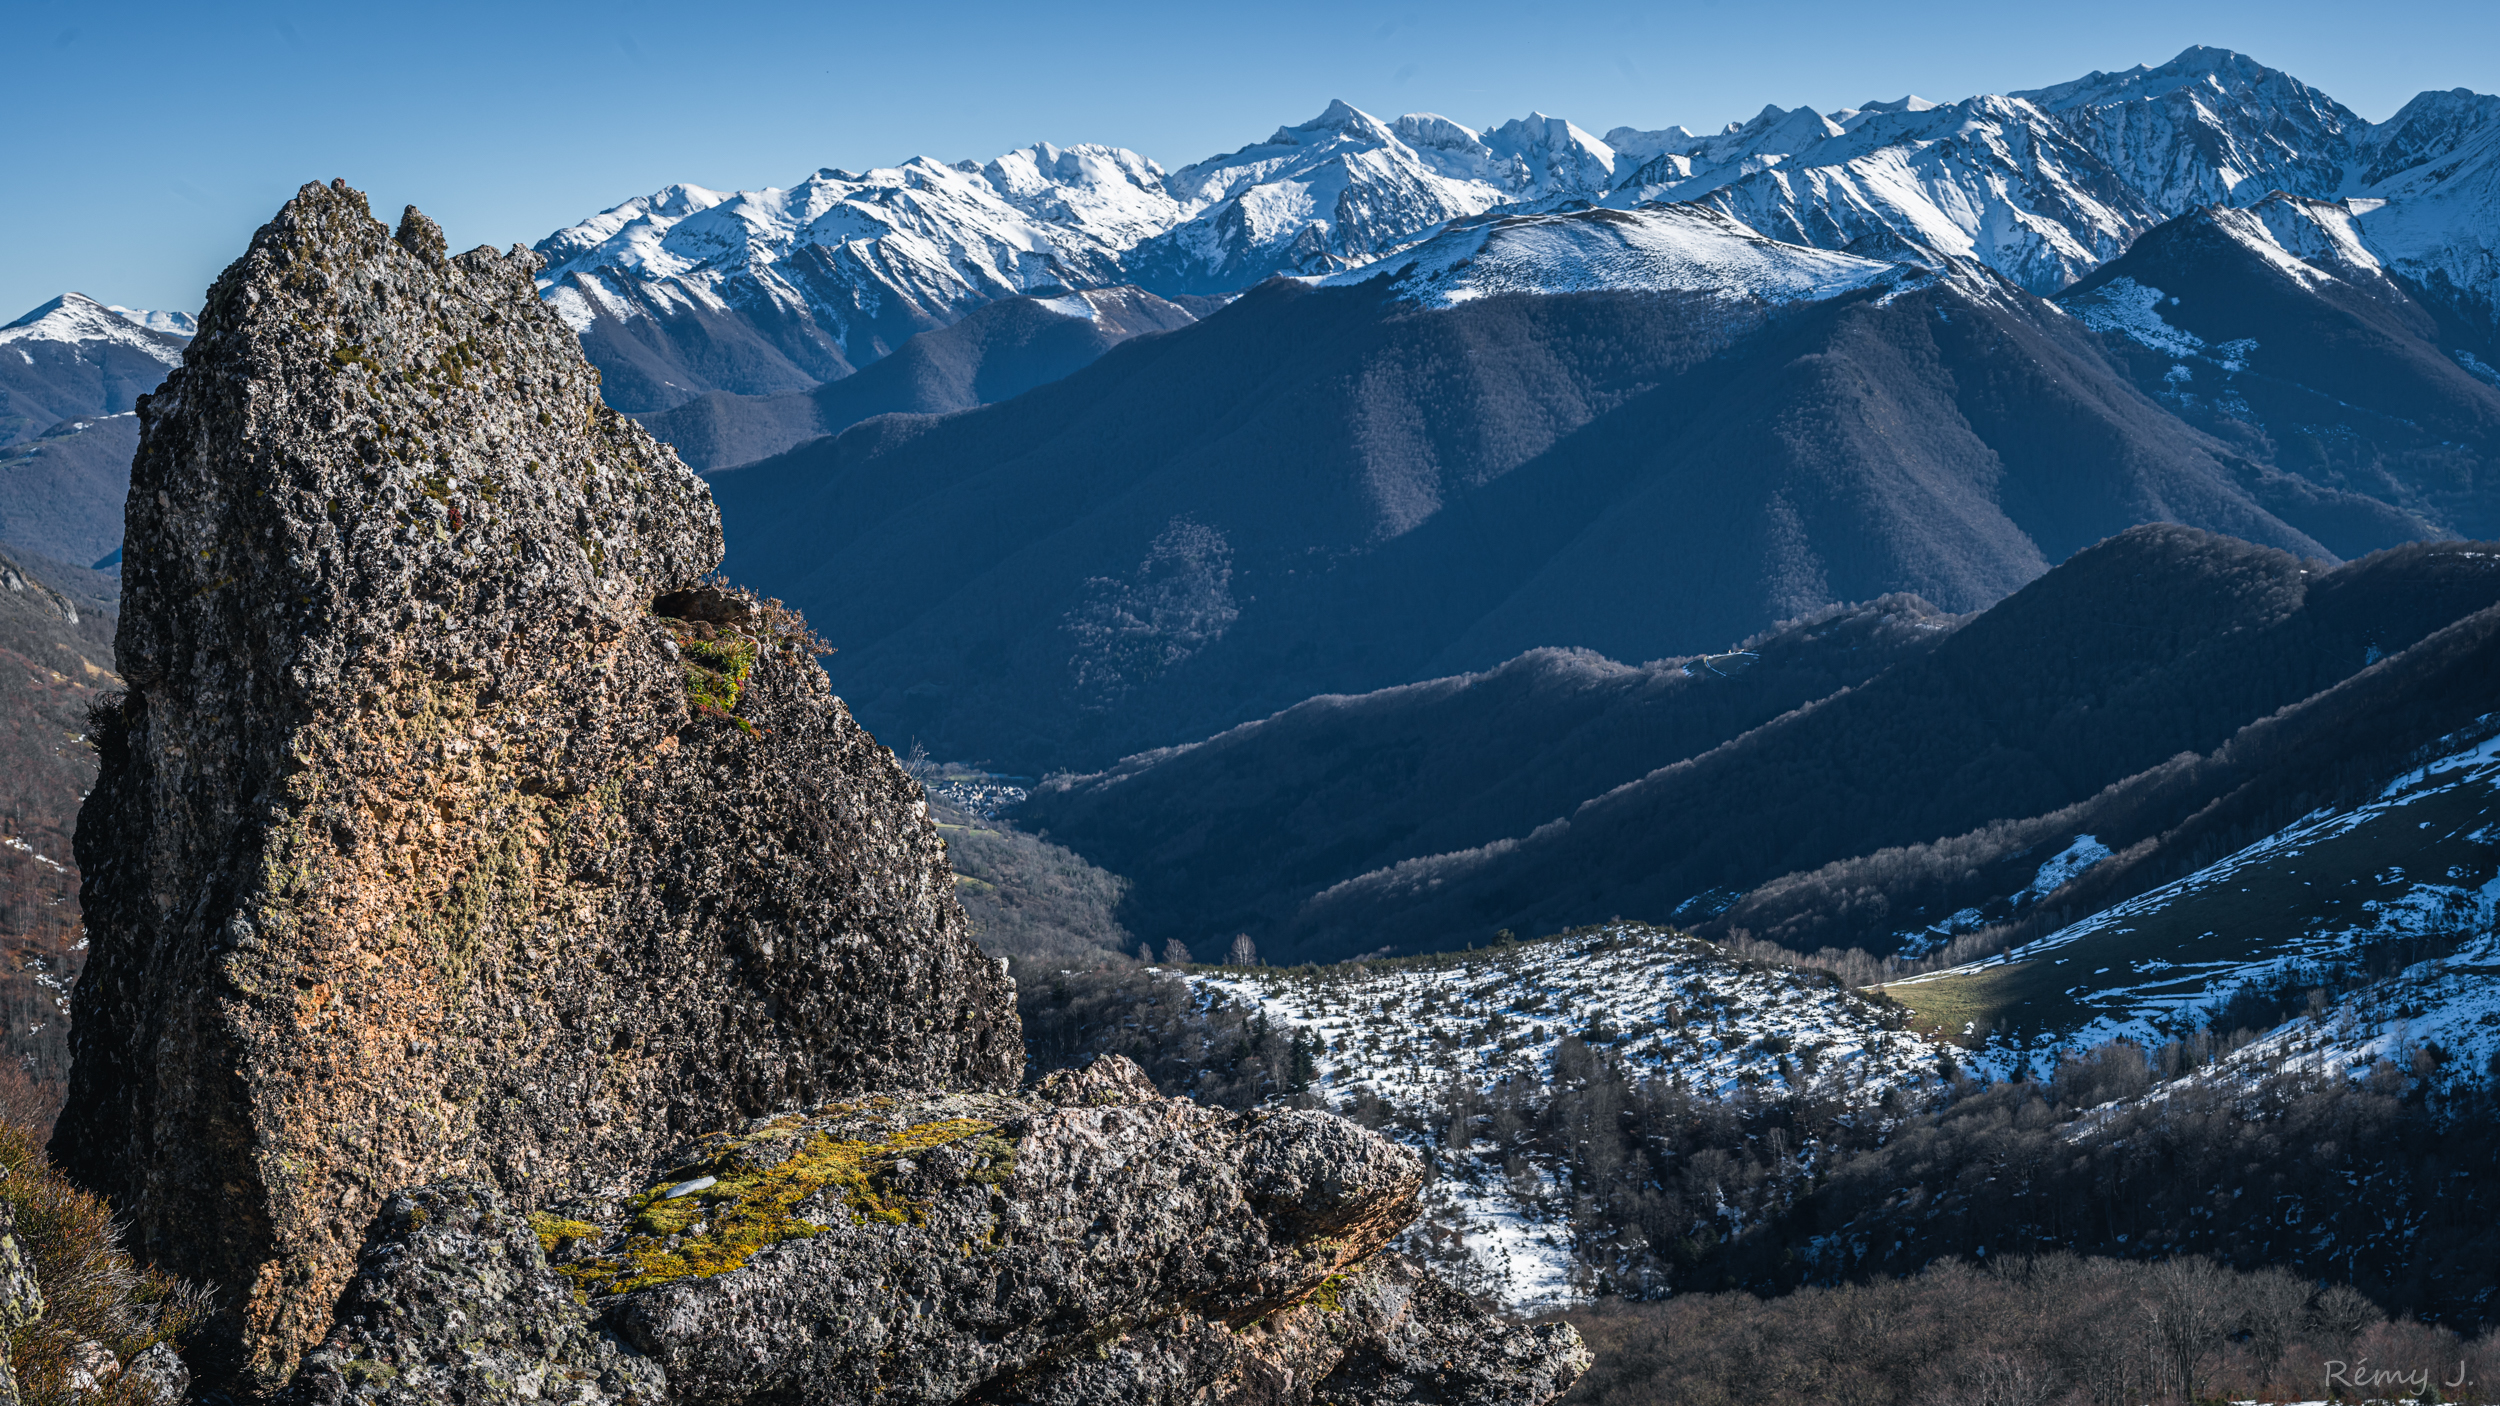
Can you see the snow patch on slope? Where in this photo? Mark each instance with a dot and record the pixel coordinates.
(2447, 1008)
(2062, 868)
(2130, 309)
(1657, 249)
(1671, 1006)
(2154, 998)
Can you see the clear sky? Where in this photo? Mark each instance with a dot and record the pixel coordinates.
(145, 142)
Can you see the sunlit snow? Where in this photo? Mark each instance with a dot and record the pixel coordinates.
(1657, 249)
(1671, 1006)
(76, 320)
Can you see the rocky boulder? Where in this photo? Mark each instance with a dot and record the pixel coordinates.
(453, 825)
(452, 1305)
(1088, 1242)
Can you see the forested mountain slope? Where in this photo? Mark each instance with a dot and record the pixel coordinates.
(56, 643)
(2276, 331)
(1236, 832)
(2058, 712)
(1338, 489)
(995, 353)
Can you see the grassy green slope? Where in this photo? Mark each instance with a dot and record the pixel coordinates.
(2384, 881)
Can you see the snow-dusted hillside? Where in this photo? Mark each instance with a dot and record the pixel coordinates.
(2360, 904)
(1659, 248)
(2386, 909)
(1671, 1006)
(77, 322)
(75, 358)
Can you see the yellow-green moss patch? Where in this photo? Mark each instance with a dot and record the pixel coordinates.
(750, 1206)
(1329, 1297)
(554, 1231)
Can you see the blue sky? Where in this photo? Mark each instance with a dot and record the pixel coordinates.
(145, 142)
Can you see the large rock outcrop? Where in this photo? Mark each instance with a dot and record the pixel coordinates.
(1084, 1244)
(452, 826)
(516, 978)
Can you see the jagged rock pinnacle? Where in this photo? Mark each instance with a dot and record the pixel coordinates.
(452, 826)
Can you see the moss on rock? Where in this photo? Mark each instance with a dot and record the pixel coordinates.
(762, 1190)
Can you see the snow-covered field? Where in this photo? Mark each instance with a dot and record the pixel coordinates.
(1657, 249)
(1671, 1006)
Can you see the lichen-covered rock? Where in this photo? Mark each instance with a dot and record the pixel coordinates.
(1392, 1332)
(453, 1305)
(91, 1364)
(21, 1294)
(937, 1248)
(451, 825)
(157, 1376)
(1087, 1243)
(21, 1297)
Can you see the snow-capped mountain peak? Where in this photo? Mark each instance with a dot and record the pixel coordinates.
(1547, 156)
(1990, 179)
(179, 324)
(1346, 188)
(1341, 119)
(833, 272)
(1694, 167)
(1851, 118)
(624, 235)
(1114, 194)
(1433, 132)
(1631, 144)
(2209, 127)
(2197, 66)
(2432, 126)
(76, 320)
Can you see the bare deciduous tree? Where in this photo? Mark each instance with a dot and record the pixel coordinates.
(2191, 1310)
(2271, 1302)
(2342, 1314)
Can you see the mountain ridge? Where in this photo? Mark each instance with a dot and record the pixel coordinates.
(687, 290)
(2157, 691)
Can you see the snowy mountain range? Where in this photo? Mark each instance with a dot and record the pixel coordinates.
(689, 290)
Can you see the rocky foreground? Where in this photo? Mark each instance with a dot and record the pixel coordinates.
(515, 977)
